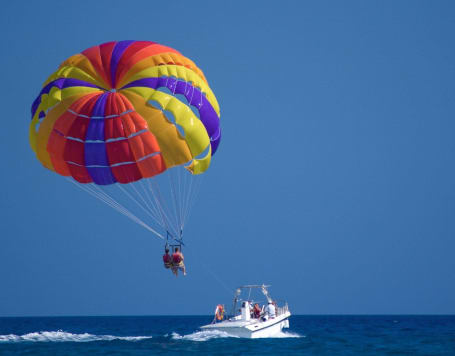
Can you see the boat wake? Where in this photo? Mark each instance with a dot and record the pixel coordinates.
(62, 336)
(285, 334)
(202, 335)
(206, 335)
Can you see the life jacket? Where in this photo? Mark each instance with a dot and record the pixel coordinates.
(257, 312)
(167, 260)
(177, 258)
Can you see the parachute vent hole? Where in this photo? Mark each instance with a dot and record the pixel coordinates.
(204, 153)
(40, 120)
(185, 101)
(155, 104)
(165, 90)
(182, 98)
(170, 117)
(195, 111)
(49, 108)
(180, 130)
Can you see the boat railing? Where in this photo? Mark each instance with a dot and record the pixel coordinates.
(282, 310)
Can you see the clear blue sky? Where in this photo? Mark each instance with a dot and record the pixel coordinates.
(334, 181)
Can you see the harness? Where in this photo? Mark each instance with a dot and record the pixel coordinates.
(172, 242)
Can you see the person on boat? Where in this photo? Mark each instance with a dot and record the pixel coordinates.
(256, 311)
(270, 311)
(219, 313)
(177, 262)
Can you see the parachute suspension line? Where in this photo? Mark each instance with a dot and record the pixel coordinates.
(178, 202)
(175, 189)
(146, 203)
(128, 194)
(174, 183)
(165, 219)
(173, 186)
(215, 276)
(187, 184)
(103, 196)
(155, 204)
(162, 213)
(196, 193)
(181, 194)
(96, 192)
(229, 290)
(106, 199)
(181, 185)
(182, 179)
(162, 207)
(178, 183)
(153, 208)
(163, 201)
(193, 193)
(162, 204)
(143, 193)
(164, 223)
(182, 189)
(175, 203)
(154, 201)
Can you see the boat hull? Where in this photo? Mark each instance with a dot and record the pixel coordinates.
(254, 328)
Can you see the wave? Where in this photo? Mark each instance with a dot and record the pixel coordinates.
(62, 336)
(216, 334)
(285, 334)
(202, 335)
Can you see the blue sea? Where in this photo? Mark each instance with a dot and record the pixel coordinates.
(178, 335)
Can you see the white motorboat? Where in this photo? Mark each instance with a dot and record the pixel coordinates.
(243, 322)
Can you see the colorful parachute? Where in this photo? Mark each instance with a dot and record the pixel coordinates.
(124, 111)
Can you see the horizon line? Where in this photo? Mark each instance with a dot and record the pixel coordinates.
(204, 315)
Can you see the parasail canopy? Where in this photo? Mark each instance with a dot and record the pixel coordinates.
(123, 113)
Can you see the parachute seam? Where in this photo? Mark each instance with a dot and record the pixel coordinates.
(101, 117)
(115, 139)
(115, 164)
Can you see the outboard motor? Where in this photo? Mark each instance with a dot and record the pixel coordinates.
(246, 311)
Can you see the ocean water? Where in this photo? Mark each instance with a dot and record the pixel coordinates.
(177, 335)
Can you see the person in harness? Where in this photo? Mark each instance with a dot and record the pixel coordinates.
(167, 259)
(177, 262)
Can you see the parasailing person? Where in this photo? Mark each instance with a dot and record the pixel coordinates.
(177, 262)
(133, 123)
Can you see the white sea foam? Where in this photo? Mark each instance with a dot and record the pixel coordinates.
(62, 336)
(285, 334)
(216, 334)
(202, 335)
